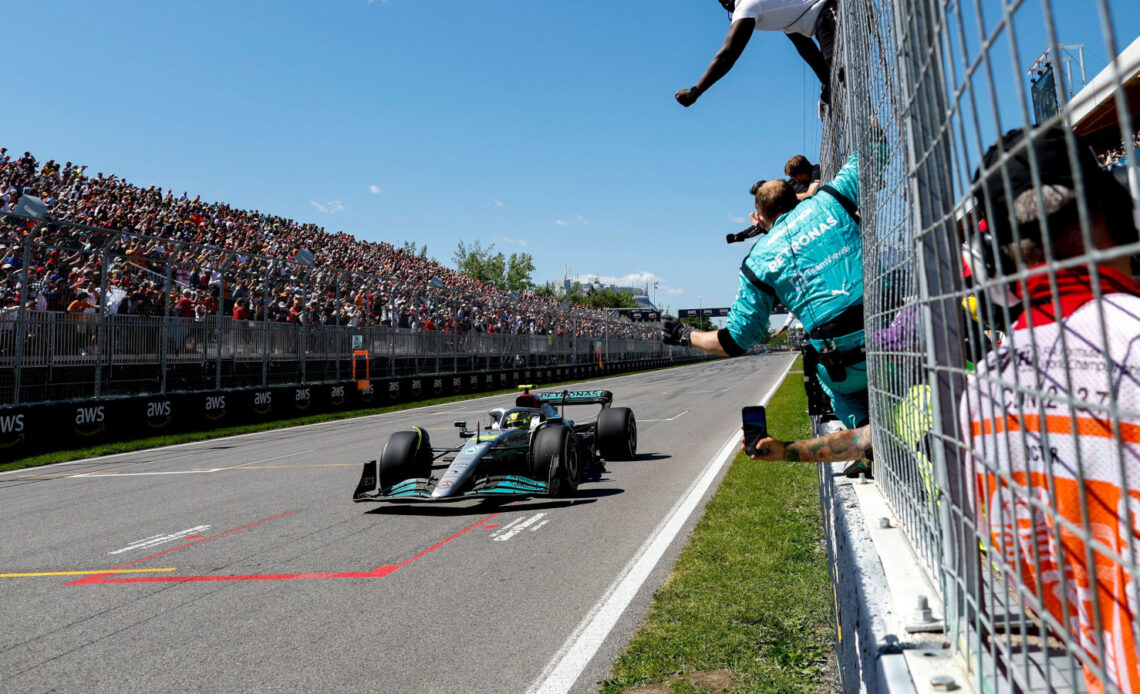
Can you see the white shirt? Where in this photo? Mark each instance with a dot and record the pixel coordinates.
(788, 16)
(1013, 463)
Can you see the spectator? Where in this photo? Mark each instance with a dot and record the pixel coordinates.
(799, 19)
(388, 285)
(802, 175)
(241, 311)
(810, 261)
(1040, 463)
(1115, 156)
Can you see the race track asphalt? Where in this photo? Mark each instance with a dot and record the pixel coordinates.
(242, 564)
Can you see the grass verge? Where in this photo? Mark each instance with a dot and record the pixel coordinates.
(747, 608)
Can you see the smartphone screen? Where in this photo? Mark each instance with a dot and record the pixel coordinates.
(755, 426)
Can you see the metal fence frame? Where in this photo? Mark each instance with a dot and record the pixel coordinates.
(49, 355)
(923, 94)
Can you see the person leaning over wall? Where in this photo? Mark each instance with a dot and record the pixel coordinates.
(1047, 470)
(803, 176)
(811, 261)
(800, 20)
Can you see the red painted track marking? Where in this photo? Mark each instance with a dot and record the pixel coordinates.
(379, 572)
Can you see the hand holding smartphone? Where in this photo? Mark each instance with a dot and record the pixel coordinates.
(755, 423)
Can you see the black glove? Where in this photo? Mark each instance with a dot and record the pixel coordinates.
(675, 332)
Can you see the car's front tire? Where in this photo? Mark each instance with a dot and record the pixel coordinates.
(406, 455)
(555, 460)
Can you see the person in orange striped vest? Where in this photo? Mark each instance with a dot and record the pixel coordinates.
(1052, 417)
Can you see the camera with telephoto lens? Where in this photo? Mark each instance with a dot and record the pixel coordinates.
(748, 233)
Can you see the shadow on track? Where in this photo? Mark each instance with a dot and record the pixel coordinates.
(474, 507)
(650, 456)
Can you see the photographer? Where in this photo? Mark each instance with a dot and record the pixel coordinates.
(811, 261)
(803, 176)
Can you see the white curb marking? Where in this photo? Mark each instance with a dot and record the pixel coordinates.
(578, 650)
(162, 539)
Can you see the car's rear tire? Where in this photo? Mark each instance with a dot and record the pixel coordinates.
(406, 455)
(617, 434)
(555, 460)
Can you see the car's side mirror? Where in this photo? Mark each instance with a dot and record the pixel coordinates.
(462, 427)
(459, 424)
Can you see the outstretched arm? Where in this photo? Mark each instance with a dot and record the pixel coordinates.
(849, 444)
(725, 58)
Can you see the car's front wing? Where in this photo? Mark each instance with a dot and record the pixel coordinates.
(419, 490)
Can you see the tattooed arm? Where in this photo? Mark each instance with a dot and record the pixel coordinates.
(849, 444)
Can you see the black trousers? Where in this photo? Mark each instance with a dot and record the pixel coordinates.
(819, 58)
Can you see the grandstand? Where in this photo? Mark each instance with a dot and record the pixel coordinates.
(127, 290)
(1094, 111)
(380, 284)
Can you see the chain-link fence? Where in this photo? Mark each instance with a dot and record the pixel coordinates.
(1003, 323)
(92, 312)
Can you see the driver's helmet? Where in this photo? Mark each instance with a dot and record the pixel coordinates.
(516, 420)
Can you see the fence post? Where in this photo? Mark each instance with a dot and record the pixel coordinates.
(338, 339)
(930, 176)
(218, 318)
(265, 336)
(164, 347)
(101, 317)
(300, 331)
(21, 333)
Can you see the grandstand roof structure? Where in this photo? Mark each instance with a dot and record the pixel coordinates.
(1094, 108)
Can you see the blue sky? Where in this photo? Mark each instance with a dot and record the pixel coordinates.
(537, 126)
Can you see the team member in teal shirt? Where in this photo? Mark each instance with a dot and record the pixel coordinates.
(811, 261)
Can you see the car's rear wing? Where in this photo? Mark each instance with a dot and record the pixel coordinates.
(577, 397)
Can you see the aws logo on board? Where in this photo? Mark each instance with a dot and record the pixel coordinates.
(393, 390)
(417, 386)
(302, 398)
(90, 421)
(367, 394)
(215, 407)
(336, 395)
(158, 414)
(11, 430)
(437, 385)
(263, 402)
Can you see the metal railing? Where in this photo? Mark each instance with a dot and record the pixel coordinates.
(138, 336)
(1008, 450)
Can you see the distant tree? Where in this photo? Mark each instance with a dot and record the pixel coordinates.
(699, 323)
(545, 289)
(409, 247)
(483, 264)
(606, 297)
(519, 269)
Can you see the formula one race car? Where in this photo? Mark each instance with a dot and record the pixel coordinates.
(530, 449)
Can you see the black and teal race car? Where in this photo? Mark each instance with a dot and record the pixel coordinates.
(530, 449)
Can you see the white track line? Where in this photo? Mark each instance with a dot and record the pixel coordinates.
(578, 650)
(666, 420)
(112, 474)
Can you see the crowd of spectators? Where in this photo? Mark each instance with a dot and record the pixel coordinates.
(195, 258)
(1115, 156)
